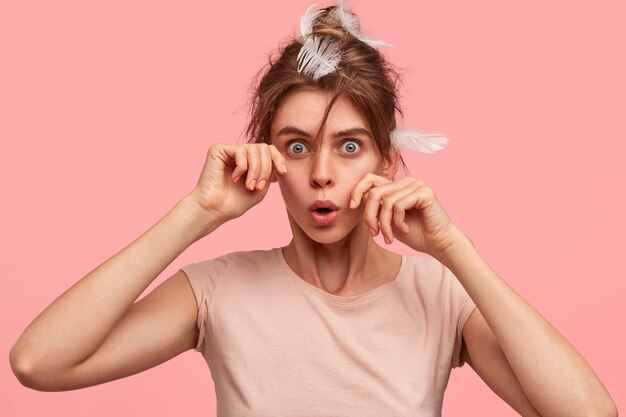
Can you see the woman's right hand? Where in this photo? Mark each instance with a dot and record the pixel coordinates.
(237, 177)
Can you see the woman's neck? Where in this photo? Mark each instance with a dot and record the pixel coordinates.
(348, 267)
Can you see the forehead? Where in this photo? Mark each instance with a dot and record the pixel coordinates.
(305, 109)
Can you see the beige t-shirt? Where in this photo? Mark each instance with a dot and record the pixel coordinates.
(279, 346)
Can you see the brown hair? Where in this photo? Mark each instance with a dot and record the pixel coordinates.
(363, 76)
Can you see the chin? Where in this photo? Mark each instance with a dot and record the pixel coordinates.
(327, 240)
(327, 235)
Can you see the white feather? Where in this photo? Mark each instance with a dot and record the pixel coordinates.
(318, 56)
(307, 19)
(348, 21)
(418, 141)
(374, 43)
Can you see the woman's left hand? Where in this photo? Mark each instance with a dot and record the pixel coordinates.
(407, 209)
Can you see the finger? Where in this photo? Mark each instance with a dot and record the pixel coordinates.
(402, 204)
(278, 160)
(266, 165)
(373, 206)
(241, 160)
(388, 209)
(254, 166)
(370, 215)
(426, 197)
(364, 185)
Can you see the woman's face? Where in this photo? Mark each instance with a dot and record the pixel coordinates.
(326, 169)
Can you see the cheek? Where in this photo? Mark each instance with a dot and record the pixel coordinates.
(351, 177)
(288, 186)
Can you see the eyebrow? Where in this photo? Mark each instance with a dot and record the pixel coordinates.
(355, 131)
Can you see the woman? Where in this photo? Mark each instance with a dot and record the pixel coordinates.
(333, 323)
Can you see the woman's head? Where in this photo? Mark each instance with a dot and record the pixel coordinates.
(363, 77)
(325, 166)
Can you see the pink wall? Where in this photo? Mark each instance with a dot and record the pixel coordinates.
(107, 110)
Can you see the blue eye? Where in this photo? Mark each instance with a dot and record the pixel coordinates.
(351, 146)
(296, 147)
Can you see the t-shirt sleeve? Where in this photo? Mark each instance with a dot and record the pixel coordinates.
(462, 307)
(202, 277)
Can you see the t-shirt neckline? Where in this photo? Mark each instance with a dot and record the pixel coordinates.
(337, 298)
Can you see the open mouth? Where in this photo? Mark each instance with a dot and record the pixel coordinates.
(323, 210)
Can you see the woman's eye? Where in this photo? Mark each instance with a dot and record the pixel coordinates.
(296, 147)
(351, 146)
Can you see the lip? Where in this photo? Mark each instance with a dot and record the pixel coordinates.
(323, 204)
(323, 219)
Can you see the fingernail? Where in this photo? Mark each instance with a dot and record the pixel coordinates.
(387, 241)
(284, 169)
(372, 232)
(352, 203)
(236, 178)
(261, 184)
(252, 183)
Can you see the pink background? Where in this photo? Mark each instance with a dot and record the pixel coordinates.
(107, 109)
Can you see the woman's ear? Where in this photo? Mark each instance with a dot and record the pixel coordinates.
(389, 165)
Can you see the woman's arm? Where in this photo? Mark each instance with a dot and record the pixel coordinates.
(482, 352)
(99, 307)
(555, 377)
(94, 332)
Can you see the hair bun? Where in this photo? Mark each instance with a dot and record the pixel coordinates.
(336, 21)
(342, 23)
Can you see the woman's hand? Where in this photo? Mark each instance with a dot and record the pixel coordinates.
(237, 177)
(407, 209)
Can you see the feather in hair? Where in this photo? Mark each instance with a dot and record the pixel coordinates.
(418, 141)
(318, 56)
(348, 21)
(307, 19)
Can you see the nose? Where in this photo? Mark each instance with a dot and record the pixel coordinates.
(322, 172)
